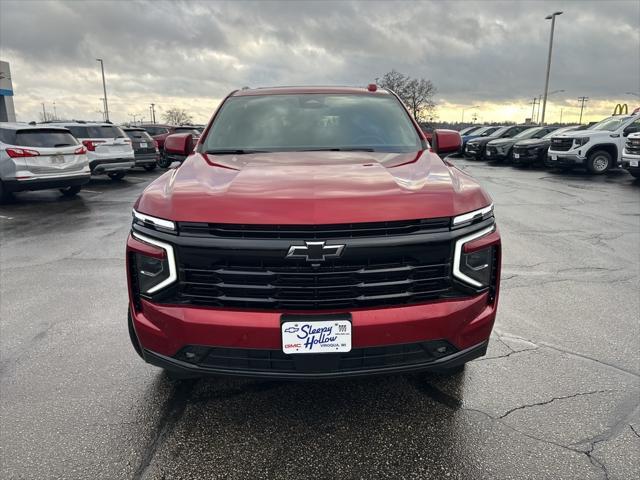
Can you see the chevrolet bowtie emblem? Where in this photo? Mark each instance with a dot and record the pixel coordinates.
(314, 251)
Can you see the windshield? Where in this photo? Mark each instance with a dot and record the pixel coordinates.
(96, 131)
(528, 133)
(312, 122)
(498, 132)
(467, 130)
(138, 135)
(489, 131)
(610, 124)
(157, 130)
(44, 138)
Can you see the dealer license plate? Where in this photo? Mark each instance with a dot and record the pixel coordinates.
(327, 336)
(516, 155)
(488, 154)
(633, 163)
(143, 145)
(554, 157)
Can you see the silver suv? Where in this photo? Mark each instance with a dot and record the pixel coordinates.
(108, 147)
(39, 157)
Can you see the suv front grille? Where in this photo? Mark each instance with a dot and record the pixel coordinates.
(313, 232)
(561, 144)
(313, 288)
(633, 146)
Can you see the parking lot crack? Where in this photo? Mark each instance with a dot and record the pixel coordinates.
(634, 431)
(551, 400)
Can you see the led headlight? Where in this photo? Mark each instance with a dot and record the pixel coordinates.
(157, 269)
(474, 268)
(149, 221)
(578, 142)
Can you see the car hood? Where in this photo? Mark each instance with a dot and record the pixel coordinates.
(532, 142)
(311, 188)
(483, 140)
(501, 141)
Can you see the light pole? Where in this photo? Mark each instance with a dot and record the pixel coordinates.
(104, 88)
(468, 108)
(551, 17)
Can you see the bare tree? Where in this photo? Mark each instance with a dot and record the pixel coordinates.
(177, 116)
(416, 93)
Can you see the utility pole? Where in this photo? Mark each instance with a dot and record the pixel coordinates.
(582, 102)
(104, 88)
(551, 17)
(538, 109)
(55, 113)
(561, 115)
(153, 113)
(44, 113)
(533, 108)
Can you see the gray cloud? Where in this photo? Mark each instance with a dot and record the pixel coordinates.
(194, 53)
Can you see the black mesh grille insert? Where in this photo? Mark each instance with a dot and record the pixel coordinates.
(250, 360)
(561, 144)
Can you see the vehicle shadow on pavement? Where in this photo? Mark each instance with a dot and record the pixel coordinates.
(260, 425)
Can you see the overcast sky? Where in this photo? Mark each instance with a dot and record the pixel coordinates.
(190, 54)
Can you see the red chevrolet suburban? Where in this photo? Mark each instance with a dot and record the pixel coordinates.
(313, 233)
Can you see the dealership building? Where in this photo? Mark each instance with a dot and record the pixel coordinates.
(7, 112)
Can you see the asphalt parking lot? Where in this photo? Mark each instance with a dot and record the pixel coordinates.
(557, 396)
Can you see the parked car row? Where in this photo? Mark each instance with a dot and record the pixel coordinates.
(64, 154)
(610, 143)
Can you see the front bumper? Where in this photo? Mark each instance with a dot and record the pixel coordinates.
(111, 165)
(45, 182)
(528, 158)
(164, 331)
(564, 159)
(143, 159)
(318, 366)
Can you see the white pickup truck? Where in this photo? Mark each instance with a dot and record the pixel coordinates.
(631, 155)
(598, 148)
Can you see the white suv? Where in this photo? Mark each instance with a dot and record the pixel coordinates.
(597, 148)
(40, 157)
(631, 155)
(108, 147)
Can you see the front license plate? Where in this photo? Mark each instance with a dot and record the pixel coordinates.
(633, 163)
(329, 336)
(554, 157)
(488, 154)
(143, 145)
(516, 155)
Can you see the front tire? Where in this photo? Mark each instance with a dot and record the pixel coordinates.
(71, 191)
(599, 162)
(116, 175)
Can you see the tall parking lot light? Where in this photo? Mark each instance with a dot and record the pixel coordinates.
(104, 88)
(551, 17)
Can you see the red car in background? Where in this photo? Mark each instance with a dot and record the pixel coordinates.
(312, 232)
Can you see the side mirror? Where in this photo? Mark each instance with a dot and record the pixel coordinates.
(179, 144)
(446, 141)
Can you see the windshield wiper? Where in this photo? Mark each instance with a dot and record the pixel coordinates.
(234, 152)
